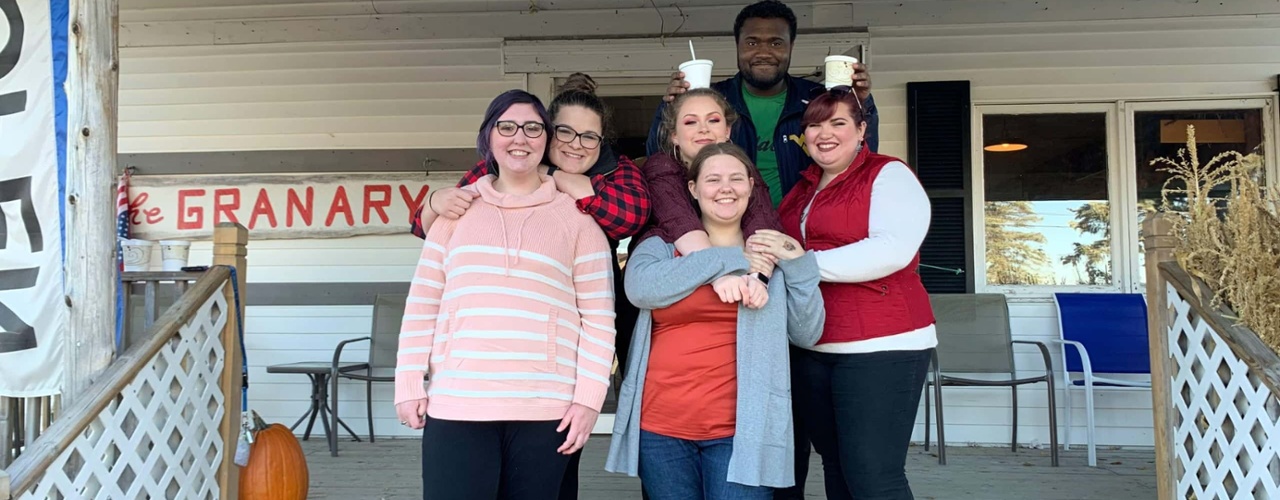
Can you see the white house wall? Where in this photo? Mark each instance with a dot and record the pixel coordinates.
(321, 95)
(1076, 62)
(193, 81)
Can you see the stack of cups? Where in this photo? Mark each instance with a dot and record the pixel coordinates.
(839, 70)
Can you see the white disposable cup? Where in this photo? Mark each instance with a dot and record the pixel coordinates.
(136, 254)
(839, 70)
(173, 254)
(697, 72)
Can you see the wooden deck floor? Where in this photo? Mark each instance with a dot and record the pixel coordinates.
(389, 470)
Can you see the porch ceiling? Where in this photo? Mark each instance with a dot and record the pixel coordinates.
(211, 22)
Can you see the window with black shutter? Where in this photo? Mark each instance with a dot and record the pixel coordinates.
(938, 138)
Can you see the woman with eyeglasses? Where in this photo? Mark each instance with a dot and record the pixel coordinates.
(605, 185)
(510, 313)
(864, 216)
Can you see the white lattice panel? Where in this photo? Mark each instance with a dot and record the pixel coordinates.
(159, 437)
(1227, 437)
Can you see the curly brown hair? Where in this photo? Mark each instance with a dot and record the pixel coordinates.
(672, 111)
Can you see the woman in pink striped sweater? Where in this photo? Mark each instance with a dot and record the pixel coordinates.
(510, 313)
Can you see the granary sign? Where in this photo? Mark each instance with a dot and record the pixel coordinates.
(279, 206)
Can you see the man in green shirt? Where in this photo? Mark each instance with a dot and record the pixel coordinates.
(765, 112)
(770, 101)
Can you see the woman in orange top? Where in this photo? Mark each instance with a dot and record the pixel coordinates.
(704, 412)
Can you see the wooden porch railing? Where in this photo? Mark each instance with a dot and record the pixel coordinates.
(147, 295)
(163, 420)
(1214, 388)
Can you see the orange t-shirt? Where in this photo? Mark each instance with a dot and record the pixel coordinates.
(691, 386)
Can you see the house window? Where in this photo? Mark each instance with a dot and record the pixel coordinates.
(1067, 209)
(1161, 133)
(1046, 199)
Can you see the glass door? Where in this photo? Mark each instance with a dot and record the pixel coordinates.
(1159, 130)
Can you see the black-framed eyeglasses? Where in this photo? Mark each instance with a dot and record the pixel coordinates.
(566, 134)
(532, 130)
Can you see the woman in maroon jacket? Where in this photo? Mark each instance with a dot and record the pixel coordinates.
(694, 119)
(864, 215)
(607, 186)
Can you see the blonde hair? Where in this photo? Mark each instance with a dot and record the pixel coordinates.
(671, 112)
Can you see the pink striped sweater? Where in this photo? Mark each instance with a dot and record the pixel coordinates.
(510, 311)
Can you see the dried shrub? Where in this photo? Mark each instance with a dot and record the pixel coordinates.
(1230, 242)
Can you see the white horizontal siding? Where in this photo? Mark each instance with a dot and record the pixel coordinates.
(1076, 62)
(319, 95)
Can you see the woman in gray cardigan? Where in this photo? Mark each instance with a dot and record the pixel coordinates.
(704, 412)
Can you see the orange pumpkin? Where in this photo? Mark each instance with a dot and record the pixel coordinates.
(277, 469)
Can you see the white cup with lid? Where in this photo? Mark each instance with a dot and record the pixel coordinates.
(697, 72)
(839, 70)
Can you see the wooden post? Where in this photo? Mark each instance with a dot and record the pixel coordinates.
(1159, 244)
(229, 249)
(93, 83)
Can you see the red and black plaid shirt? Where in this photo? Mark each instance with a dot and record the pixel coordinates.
(620, 205)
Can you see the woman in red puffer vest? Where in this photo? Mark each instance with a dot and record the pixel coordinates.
(864, 215)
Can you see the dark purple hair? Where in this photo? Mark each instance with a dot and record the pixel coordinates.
(497, 107)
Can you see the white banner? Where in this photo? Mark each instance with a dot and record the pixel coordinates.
(32, 314)
(186, 207)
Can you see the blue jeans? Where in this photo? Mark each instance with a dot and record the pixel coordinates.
(680, 469)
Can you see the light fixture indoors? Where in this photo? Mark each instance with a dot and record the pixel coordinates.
(1003, 143)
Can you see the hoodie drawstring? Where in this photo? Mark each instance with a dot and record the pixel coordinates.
(506, 248)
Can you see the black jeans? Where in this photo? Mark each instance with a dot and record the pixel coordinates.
(492, 460)
(569, 485)
(859, 410)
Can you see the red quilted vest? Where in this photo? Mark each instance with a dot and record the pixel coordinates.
(895, 304)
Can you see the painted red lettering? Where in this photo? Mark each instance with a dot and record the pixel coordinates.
(380, 204)
(340, 204)
(411, 201)
(262, 207)
(228, 208)
(189, 217)
(137, 209)
(292, 203)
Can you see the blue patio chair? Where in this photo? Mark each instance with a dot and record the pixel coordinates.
(1107, 333)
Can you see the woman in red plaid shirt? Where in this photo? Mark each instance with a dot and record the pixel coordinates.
(607, 186)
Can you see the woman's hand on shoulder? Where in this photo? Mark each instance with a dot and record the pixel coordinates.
(450, 202)
(577, 186)
(776, 244)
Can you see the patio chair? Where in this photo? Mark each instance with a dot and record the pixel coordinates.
(1108, 334)
(384, 342)
(974, 337)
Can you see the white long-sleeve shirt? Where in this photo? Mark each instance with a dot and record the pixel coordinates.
(897, 224)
